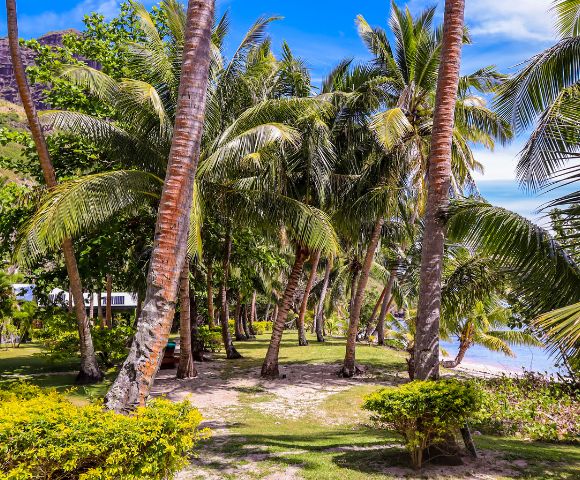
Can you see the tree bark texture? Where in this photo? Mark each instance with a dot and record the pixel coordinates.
(210, 307)
(89, 368)
(253, 315)
(231, 352)
(428, 312)
(108, 304)
(270, 365)
(304, 305)
(133, 384)
(387, 301)
(349, 366)
(319, 319)
(186, 368)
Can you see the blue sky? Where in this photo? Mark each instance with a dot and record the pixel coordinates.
(504, 34)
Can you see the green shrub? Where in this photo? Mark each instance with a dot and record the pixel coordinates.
(43, 435)
(211, 338)
(262, 327)
(424, 412)
(531, 406)
(60, 339)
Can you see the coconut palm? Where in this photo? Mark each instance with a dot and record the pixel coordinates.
(544, 97)
(132, 385)
(89, 368)
(406, 76)
(474, 307)
(544, 277)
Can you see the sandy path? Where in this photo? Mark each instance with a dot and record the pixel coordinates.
(301, 391)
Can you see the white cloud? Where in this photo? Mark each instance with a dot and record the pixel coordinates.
(522, 19)
(499, 164)
(50, 20)
(34, 25)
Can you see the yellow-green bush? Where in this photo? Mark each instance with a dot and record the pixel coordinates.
(43, 435)
(262, 327)
(424, 412)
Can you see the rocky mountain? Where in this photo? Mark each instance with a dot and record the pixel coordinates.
(8, 89)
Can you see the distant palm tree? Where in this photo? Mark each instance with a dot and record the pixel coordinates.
(89, 368)
(132, 386)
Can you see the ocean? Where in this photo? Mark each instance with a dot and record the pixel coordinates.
(508, 194)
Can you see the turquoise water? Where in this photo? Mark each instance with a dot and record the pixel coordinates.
(508, 194)
(531, 358)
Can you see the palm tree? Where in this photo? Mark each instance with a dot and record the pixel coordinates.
(89, 368)
(402, 88)
(304, 304)
(474, 305)
(545, 279)
(185, 369)
(131, 388)
(438, 180)
(544, 97)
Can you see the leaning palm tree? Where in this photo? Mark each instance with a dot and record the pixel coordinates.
(474, 306)
(132, 386)
(403, 86)
(89, 368)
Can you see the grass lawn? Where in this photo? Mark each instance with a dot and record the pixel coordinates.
(335, 440)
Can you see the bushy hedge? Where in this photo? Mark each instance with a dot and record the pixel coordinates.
(424, 412)
(211, 338)
(531, 407)
(43, 435)
(262, 327)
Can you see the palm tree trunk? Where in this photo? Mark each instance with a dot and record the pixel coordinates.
(244, 318)
(388, 300)
(108, 305)
(267, 314)
(210, 307)
(270, 365)
(371, 323)
(132, 386)
(89, 368)
(319, 319)
(100, 309)
(349, 367)
(196, 342)
(428, 312)
(463, 347)
(139, 306)
(185, 369)
(238, 320)
(253, 315)
(231, 352)
(304, 305)
(91, 306)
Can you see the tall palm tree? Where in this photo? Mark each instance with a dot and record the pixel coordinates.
(401, 86)
(89, 368)
(131, 388)
(186, 368)
(439, 182)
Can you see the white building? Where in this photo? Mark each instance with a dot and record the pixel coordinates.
(119, 300)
